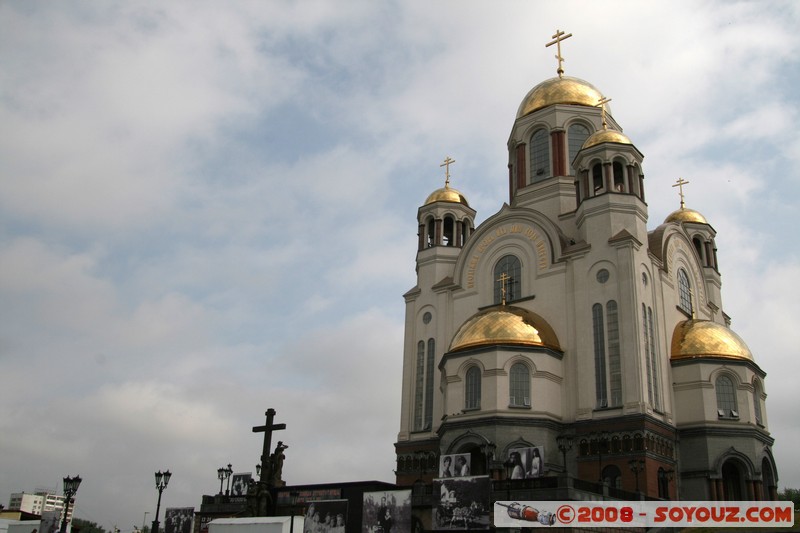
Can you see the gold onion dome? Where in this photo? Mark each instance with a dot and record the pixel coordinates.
(446, 194)
(503, 324)
(605, 136)
(564, 90)
(703, 338)
(686, 215)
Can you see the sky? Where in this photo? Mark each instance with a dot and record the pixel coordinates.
(209, 209)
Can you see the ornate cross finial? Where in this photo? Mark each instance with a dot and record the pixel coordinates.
(447, 162)
(503, 278)
(679, 183)
(602, 105)
(557, 38)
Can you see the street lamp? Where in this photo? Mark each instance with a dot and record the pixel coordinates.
(602, 436)
(228, 472)
(71, 485)
(144, 519)
(221, 476)
(293, 495)
(162, 480)
(564, 445)
(637, 465)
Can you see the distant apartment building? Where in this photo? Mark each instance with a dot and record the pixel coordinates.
(39, 502)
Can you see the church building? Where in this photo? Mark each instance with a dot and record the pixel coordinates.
(563, 324)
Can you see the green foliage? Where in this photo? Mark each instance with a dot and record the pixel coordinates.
(86, 527)
(790, 495)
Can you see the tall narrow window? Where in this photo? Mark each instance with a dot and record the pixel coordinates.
(619, 177)
(684, 292)
(576, 135)
(647, 354)
(597, 178)
(614, 365)
(726, 398)
(540, 155)
(429, 384)
(430, 233)
(519, 384)
(472, 396)
(757, 404)
(419, 387)
(599, 356)
(449, 232)
(654, 361)
(510, 266)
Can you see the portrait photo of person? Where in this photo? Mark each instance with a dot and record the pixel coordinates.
(536, 465)
(446, 466)
(462, 468)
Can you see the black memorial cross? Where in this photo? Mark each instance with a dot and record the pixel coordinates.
(267, 429)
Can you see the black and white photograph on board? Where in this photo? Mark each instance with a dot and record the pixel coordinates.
(386, 511)
(455, 465)
(462, 503)
(178, 520)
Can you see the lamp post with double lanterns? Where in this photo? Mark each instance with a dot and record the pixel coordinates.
(71, 485)
(564, 443)
(162, 480)
(228, 472)
(602, 437)
(636, 466)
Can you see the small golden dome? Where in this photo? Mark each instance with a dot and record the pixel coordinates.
(566, 90)
(505, 324)
(686, 215)
(606, 136)
(703, 338)
(446, 194)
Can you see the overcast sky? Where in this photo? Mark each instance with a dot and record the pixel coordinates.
(208, 209)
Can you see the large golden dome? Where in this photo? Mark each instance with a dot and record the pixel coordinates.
(565, 90)
(686, 215)
(703, 338)
(605, 136)
(504, 324)
(446, 194)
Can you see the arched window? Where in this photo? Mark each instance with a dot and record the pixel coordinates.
(726, 398)
(519, 384)
(510, 266)
(576, 136)
(757, 403)
(601, 394)
(684, 292)
(540, 155)
(472, 396)
(612, 476)
(619, 177)
(597, 178)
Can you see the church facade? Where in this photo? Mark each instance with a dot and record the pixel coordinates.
(563, 323)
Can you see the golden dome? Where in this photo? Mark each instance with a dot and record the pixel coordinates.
(504, 324)
(703, 338)
(566, 90)
(446, 194)
(686, 215)
(606, 136)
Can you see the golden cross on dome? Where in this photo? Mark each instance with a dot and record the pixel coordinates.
(679, 183)
(503, 278)
(557, 38)
(447, 162)
(602, 105)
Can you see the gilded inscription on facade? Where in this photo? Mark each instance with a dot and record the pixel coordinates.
(507, 230)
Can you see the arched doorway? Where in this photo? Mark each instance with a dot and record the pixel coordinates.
(733, 481)
(770, 489)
